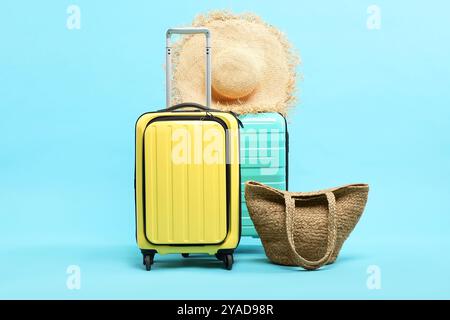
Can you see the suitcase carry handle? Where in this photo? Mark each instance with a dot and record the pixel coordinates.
(188, 105)
(200, 107)
(169, 34)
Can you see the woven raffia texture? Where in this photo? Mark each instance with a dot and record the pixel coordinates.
(310, 220)
(265, 45)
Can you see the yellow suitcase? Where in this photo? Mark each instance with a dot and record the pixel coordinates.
(187, 177)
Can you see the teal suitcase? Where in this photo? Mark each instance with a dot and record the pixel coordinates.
(264, 156)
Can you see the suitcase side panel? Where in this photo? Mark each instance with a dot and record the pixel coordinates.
(264, 149)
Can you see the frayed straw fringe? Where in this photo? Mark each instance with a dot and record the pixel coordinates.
(290, 98)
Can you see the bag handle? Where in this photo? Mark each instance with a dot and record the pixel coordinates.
(169, 34)
(332, 231)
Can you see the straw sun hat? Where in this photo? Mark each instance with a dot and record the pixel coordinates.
(253, 65)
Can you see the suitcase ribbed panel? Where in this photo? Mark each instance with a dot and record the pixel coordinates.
(263, 150)
(186, 184)
(263, 157)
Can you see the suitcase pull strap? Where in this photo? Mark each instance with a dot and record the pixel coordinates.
(202, 108)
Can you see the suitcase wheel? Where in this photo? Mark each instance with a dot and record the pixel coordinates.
(148, 261)
(151, 258)
(185, 255)
(227, 259)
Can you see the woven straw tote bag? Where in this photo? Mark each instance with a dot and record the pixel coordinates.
(304, 229)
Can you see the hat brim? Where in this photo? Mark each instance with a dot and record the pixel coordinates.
(277, 83)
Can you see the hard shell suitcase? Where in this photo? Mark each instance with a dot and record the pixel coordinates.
(187, 178)
(264, 156)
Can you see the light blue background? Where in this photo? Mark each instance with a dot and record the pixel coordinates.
(375, 107)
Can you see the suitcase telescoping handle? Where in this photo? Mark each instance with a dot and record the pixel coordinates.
(169, 34)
